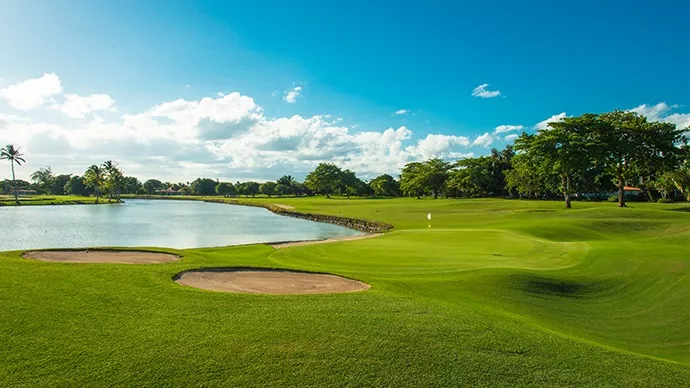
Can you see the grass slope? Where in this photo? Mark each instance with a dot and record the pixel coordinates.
(36, 200)
(493, 293)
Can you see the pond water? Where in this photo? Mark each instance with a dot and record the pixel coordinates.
(157, 223)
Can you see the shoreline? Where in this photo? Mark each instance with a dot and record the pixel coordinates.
(370, 229)
(366, 226)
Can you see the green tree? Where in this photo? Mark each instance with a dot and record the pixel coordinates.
(226, 189)
(76, 186)
(681, 176)
(94, 177)
(12, 154)
(385, 186)
(268, 188)
(58, 184)
(427, 177)
(203, 186)
(412, 179)
(114, 180)
(151, 186)
(325, 179)
(568, 148)
(251, 188)
(131, 185)
(43, 178)
(473, 178)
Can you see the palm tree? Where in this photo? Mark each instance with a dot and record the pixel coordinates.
(14, 156)
(114, 180)
(43, 177)
(94, 177)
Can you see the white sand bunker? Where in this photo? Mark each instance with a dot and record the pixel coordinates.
(277, 282)
(102, 256)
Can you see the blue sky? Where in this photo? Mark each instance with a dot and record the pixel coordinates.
(355, 64)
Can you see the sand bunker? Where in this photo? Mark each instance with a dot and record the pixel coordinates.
(102, 256)
(286, 207)
(257, 281)
(329, 240)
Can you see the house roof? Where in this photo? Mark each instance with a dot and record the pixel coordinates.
(630, 188)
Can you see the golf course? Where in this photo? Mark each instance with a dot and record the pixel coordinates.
(486, 292)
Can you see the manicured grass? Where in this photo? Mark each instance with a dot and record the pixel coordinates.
(36, 200)
(489, 292)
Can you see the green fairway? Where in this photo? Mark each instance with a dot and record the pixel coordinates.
(35, 200)
(487, 292)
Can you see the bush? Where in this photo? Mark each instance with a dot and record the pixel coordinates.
(613, 198)
(664, 200)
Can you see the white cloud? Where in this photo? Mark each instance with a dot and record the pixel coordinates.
(511, 137)
(542, 125)
(434, 145)
(31, 93)
(401, 112)
(484, 140)
(483, 92)
(660, 112)
(225, 136)
(508, 128)
(291, 94)
(76, 106)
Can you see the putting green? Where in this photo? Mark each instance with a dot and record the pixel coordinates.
(435, 251)
(496, 292)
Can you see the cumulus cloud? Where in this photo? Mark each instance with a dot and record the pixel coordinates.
(512, 137)
(401, 112)
(226, 136)
(508, 128)
(660, 112)
(542, 125)
(76, 106)
(483, 92)
(32, 93)
(291, 94)
(484, 140)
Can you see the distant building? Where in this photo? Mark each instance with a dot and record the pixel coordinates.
(24, 192)
(169, 191)
(634, 191)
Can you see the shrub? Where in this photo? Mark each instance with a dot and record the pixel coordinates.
(664, 200)
(613, 198)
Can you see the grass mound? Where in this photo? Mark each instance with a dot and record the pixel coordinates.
(493, 293)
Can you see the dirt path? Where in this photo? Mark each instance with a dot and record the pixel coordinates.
(101, 256)
(326, 241)
(273, 282)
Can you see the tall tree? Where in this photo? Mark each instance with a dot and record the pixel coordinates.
(153, 185)
(13, 155)
(436, 174)
(58, 183)
(325, 179)
(251, 188)
(76, 186)
(114, 180)
(94, 177)
(268, 188)
(412, 179)
(385, 186)
(203, 186)
(226, 189)
(473, 178)
(43, 178)
(568, 147)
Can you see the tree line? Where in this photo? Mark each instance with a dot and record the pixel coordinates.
(588, 156)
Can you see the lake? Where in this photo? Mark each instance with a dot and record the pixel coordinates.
(157, 223)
